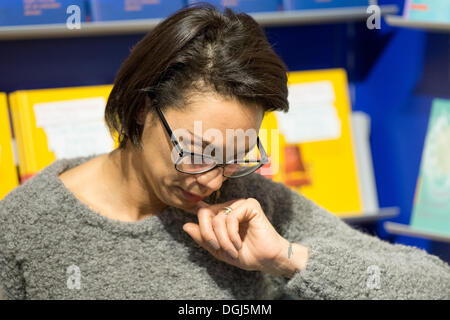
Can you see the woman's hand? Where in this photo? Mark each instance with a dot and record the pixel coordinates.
(244, 238)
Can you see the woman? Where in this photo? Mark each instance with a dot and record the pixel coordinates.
(152, 220)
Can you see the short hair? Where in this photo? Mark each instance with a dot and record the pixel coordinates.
(196, 49)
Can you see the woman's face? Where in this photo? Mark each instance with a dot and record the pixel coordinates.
(204, 115)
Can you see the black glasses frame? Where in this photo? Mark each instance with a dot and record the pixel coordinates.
(183, 153)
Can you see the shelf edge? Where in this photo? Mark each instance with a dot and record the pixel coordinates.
(399, 21)
(121, 27)
(382, 213)
(406, 230)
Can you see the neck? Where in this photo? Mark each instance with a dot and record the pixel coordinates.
(131, 192)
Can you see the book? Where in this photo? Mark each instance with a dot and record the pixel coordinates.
(105, 10)
(427, 10)
(52, 124)
(8, 170)
(361, 135)
(431, 210)
(244, 5)
(20, 12)
(311, 147)
(323, 4)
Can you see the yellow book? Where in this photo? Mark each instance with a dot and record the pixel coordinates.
(313, 153)
(8, 170)
(51, 124)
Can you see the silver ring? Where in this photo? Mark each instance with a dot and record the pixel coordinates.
(227, 210)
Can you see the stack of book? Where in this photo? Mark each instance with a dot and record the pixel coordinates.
(245, 5)
(431, 211)
(427, 10)
(311, 148)
(105, 10)
(321, 4)
(58, 123)
(19, 12)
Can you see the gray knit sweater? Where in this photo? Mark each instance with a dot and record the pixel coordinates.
(52, 246)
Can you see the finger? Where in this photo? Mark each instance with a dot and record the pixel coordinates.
(217, 208)
(244, 212)
(193, 230)
(205, 216)
(247, 210)
(233, 230)
(221, 232)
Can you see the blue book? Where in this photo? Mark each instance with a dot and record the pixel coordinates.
(18, 12)
(244, 5)
(106, 10)
(322, 4)
(427, 10)
(432, 199)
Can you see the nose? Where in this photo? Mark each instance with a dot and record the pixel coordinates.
(212, 180)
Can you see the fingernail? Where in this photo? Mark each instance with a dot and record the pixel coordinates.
(214, 244)
(232, 254)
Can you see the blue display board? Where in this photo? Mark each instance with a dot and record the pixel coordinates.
(18, 12)
(106, 10)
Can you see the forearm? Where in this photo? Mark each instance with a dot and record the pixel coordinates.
(350, 270)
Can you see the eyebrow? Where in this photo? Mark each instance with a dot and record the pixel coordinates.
(205, 143)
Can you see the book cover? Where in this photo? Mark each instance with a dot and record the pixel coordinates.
(427, 10)
(20, 12)
(105, 10)
(244, 5)
(431, 211)
(58, 123)
(323, 4)
(8, 170)
(311, 147)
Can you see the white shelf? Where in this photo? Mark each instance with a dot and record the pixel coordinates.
(368, 217)
(142, 26)
(406, 230)
(399, 21)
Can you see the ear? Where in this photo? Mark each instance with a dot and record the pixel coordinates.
(142, 113)
(141, 116)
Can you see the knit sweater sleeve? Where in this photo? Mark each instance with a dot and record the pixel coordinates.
(11, 278)
(345, 263)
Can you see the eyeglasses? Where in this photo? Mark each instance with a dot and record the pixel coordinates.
(195, 163)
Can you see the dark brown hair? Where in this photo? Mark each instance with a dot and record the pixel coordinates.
(196, 49)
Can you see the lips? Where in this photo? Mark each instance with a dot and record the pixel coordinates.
(191, 197)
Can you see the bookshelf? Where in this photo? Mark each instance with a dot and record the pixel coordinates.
(399, 21)
(372, 217)
(266, 19)
(406, 230)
